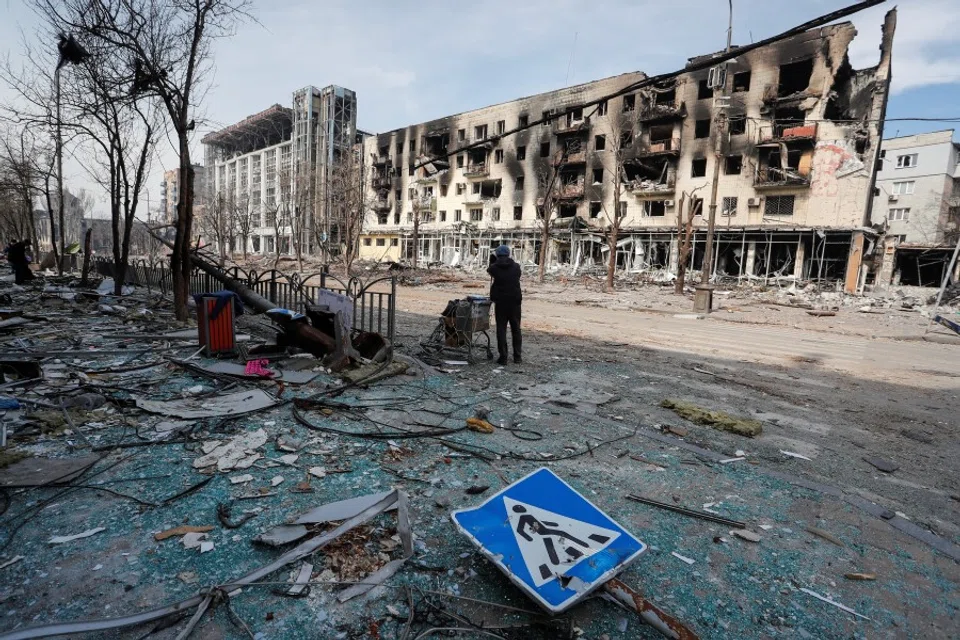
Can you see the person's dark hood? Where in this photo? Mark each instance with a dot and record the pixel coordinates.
(503, 262)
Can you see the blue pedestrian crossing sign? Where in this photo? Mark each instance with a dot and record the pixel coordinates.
(550, 541)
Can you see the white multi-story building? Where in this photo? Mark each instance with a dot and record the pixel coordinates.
(267, 171)
(794, 188)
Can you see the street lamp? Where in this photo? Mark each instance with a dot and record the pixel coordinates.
(70, 53)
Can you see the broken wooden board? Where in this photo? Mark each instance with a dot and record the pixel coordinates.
(232, 404)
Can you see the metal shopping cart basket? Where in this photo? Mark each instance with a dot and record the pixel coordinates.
(461, 330)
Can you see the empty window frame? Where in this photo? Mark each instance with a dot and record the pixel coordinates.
(626, 138)
(738, 125)
(598, 176)
(381, 242)
(367, 242)
(495, 214)
(778, 205)
(602, 108)
(698, 168)
(703, 90)
(443, 190)
(399, 149)
(733, 165)
(904, 188)
(901, 214)
(795, 77)
(518, 186)
(480, 131)
(600, 143)
(413, 146)
(501, 126)
(544, 149)
(442, 215)
(476, 215)
(697, 204)
(629, 102)
(518, 212)
(394, 242)
(461, 135)
(595, 208)
(460, 161)
(729, 206)
(702, 128)
(523, 120)
(623, 209)
(741, 82)
(398, 196)
(521, 153)
(907, 161)
(498, 156)
(396, 218)
(654, 208)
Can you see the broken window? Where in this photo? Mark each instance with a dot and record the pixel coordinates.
(476, 187)
(498, 156)
(546, 116)
(697, 204)
(394, 242)
(399, 149)
(412, 192)
(795, 77)
(383, 218)
(595, 208)
(623, 209)
(698, 168)
(409, 216)
(519, 184)
(544, 149)
(460, 160)
(501, 126)
(411, 170)
(461, 187)
(659, 133)
(741, 81)
(381, 242)
(457, 215)
(600, 143)
(654, 208)
(523, 121)
(702, 129)
(443, 191)
(398, 196)
(443, 216)
(495, 214)
(396, 218)
(521, 153)
(629, 102)
(626, 139)
(367, 242)
(733, 165)
(778, 206)
(480, 131)
(598, 176)
(703, 90)
(666, 98)
(461, 134)
(729, 207)
(907, 161)
(476, 215)
(899, 213)
(413, 146)
(567, 210)
(602, 108)
(738, 125)
(518, 212)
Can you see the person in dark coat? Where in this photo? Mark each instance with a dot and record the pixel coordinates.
(506, 296)
(18, 257)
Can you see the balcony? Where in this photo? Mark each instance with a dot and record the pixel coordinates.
(661, 113)
(667, 147)
(570, 191)
(561, 125)
(379, 161)
(381, 182)
(477, 170)
(578, 157)
(643, 188)
(773, 177)
(425, 203)
(790, 132)
(381, 204)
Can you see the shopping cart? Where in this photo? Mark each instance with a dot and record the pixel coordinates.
(461, 330)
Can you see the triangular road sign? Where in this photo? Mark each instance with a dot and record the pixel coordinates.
(550, 543)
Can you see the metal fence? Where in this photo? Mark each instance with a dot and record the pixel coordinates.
(374, 302)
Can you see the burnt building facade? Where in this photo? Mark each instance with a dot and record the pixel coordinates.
(794, 128)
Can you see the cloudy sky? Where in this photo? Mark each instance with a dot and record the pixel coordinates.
(410, 62)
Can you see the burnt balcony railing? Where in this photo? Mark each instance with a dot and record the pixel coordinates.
(660, 113)
(668, 146)
(788, 132)
(477, 169)
(778, 177)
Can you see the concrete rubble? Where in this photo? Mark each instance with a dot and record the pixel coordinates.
(147, 490)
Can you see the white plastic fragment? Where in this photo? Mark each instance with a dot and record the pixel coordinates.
(833, 602)
(745, 535)
(241, 479)
(276, 481)
(683, 558)
(192, 540)
(729, 460)
(290, 458)
(205, 546)
(85, 534)
(318, 472)
(795, 455)
(98, 567)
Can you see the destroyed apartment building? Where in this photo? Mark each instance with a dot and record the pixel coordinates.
(798, 152)
(266, 173)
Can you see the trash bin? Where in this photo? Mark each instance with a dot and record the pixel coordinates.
(703, 298)
(216, 324)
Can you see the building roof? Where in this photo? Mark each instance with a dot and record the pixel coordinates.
(266, 125)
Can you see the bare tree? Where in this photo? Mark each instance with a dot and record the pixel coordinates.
(168, 44)
(551, 190)
(347, 208)
(217, 222)
(244, 216)
(685, 230)
(619, 136)
(21, 182)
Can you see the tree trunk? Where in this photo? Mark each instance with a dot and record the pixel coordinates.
(612, 262)
(416, 238)
(180, 260)
(544, 240)
(53, 226)
(86, 258)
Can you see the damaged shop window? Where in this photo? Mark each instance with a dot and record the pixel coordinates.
(523, 121)
(738, 125)
(698, 168)
(654, 208)
(629, 102)
(741, 82)
(521, 153)
(595, 208)
(544, 149)
(702, 128)
(729, 207)
(600, 143)
(733, 165)
(794, 77)
(518, 186)
(518, 212)
(598, 176)
(703, 90)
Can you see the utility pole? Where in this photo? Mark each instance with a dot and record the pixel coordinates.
(719, 128)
